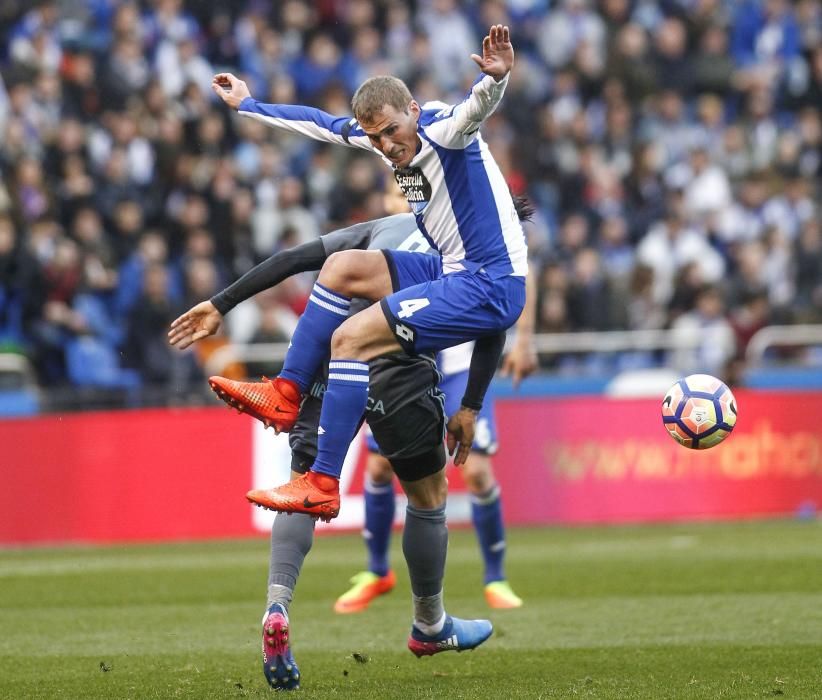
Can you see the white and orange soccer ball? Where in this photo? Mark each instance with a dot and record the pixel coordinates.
(699, 411)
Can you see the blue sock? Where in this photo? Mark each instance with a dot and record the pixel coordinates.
(379, 517)
(344, 403)
(310, 344)
(486, 514)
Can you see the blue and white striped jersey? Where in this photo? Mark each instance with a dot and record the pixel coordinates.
(454, 186)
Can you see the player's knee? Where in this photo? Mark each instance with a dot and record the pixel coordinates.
(429, 493)
(346, 342)
(340, 271)
(479, 484)
(357, 273)
(379, 470)
(477, 474)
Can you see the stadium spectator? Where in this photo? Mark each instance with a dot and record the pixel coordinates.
(707, 324)
(614, 109)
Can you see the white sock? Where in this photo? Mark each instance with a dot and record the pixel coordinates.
(431, 630)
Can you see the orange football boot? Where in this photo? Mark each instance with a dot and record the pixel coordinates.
(312, 493)
(500, 595)
(367, 586)
(275, 402)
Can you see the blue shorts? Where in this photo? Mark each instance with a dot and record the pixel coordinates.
(453, 386)
(431, 311)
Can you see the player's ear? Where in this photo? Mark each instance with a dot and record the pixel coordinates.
(414, 109)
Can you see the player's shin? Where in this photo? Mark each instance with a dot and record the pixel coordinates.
(379, 517)
(325, 312)
(486, 515)
(291, 539)
(344, 403)
(424, 544)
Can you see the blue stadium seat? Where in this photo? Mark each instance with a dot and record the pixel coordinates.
(93, 363)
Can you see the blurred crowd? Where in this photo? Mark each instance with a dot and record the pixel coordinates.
(672, 148)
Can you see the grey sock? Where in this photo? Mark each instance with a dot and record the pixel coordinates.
(279, 594)
(425, 544)
(291, 539)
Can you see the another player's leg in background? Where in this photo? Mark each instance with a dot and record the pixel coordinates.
(378, 578)
(486, 515)
(478, 474)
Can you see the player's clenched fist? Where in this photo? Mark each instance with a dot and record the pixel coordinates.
(230, 89)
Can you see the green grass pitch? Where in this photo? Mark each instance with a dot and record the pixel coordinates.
(675, 611)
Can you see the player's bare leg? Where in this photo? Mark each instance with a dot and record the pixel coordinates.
(345, 275)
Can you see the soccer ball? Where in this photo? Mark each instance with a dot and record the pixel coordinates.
(699, 411)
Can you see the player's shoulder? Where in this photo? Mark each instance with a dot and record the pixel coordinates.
(352, 129)
(435, 111)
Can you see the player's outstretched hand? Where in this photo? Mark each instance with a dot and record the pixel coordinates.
(497, 53)
(461, 427)
(520, 362)
(198, 322)
(230, 89)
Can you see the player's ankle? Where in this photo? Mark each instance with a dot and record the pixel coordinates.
(431, 629)
(324, 482)
(290, 383)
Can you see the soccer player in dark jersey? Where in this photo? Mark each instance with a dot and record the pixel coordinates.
(410, 434)
(477, 471)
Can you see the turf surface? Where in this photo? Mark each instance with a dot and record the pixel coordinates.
(686, 611)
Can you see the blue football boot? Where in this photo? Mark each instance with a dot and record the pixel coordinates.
(279, 666)
(456, 635)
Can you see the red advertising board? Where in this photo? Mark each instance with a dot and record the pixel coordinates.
(129, 475)
(587, 460)
(181, 474)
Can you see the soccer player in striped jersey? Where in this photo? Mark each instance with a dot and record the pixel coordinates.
(475, 291)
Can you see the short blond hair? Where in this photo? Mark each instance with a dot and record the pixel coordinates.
(377, 92)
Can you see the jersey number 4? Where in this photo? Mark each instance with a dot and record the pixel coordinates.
(408, 307)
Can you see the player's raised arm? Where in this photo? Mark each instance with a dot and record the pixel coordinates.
(306, 121)
(497, 53)
(461, 122)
